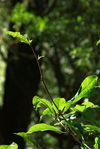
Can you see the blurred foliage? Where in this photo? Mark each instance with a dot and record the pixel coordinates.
(2, 78)
(66, 37)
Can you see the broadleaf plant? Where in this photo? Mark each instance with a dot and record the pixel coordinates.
(11, 146)
(85, 91)
(77, 120)
(37, 101)
(42, 127)
(20, 37)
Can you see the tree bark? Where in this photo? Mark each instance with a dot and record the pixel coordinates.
(22, 80)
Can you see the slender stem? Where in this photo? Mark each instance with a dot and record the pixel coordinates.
(42, 78)
(69, 131)
(72, 132)
(75, 136)
(86, 146)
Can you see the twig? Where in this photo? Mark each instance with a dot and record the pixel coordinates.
(42, 78)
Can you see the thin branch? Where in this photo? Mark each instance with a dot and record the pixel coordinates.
(42, 78)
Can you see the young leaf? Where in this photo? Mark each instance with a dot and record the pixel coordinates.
(60, 103)
(79, 108)
(68, 105)
(85, 91)
(91, 128)
(37, 101)
(41, 127)
(84, 106)
(70, 102)
(88, 104)
(11, 146)
(98, 42)
(97, 143)
(87, 88)
(20, 37)
(47, 112)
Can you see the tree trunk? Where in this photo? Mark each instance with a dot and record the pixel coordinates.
(22, 79)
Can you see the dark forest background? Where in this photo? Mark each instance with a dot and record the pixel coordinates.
(65, 32)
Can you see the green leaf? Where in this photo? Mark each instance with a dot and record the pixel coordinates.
(83, 147)
(20, 37)
(11, 146)
(85, 91)
(37, 101)
(98, 42)
(68, 105)
(84, 106)
(41, 127)
(97, 143)
(79, 108)
(70, 102)
(88, 104)
(47, 112)
(87, 112)
(60, 103)
(91, 128)
(87, 88)
(27, 138)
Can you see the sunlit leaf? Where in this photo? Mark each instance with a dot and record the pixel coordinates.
(97, 143)
(88, 104)
(98, 42)
(87, 88)
(47, 112)
(41, 127)
(11, 146)
(84, 106)
(20, 37)
(60, 103)
(37, 101)
(79, 108)
(67, 106)
(85, 91)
